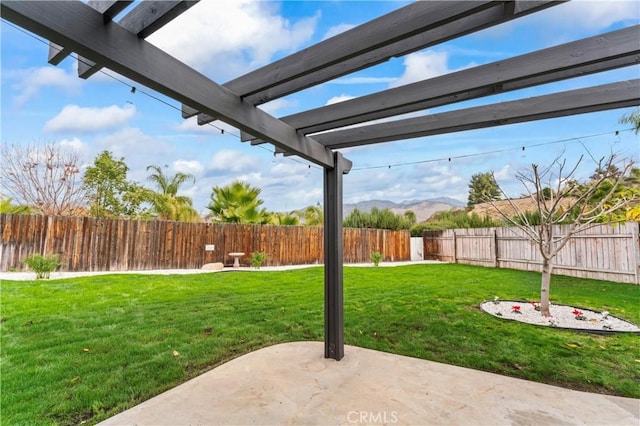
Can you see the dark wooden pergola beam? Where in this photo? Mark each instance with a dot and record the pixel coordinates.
(498, 12)
(143, 20)
(109, 10)
(603, 52)
(68, 23)
(451, 26)
(398, 25)
(599, 98)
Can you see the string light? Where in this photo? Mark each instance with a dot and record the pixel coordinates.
(478, 154)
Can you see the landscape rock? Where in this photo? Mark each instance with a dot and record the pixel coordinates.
(217, 266)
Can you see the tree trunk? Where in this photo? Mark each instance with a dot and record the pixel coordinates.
(545, 287)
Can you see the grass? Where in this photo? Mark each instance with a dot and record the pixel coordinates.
(85, 349)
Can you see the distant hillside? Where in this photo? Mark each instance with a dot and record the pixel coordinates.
(422, 208)
(522, 204)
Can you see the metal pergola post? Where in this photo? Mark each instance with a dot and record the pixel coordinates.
(333, 259)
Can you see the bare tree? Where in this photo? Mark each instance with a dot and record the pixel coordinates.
(559, 199)
(45, 177)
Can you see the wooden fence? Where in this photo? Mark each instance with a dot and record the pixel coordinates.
(604, 252)
(91, 244)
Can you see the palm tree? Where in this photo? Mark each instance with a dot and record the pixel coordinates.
(166, 202)
(313, 215)
(7, 206)
(238, 202)
(288, 219)
(632, 118)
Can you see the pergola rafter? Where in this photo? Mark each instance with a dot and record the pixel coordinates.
(144, 20)
(498, 12)
(370, 44)
(109, 10)
(612, 50)
(579, 101)
(90, 31)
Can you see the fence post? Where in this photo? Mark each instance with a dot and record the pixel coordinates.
(495, 248)
(635, 237)
(455, 248)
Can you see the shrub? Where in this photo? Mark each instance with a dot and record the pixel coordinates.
(258, 258)
(454, 219)
(376, 257)
(43, 265)
(379, 219)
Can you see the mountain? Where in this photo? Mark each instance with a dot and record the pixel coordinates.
(422, 208)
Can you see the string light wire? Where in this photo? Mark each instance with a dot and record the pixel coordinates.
(134, 89)
(496, 151)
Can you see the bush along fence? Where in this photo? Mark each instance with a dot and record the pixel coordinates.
(605, 252)
(92, 244)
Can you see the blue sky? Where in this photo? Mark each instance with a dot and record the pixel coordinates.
(42, 103)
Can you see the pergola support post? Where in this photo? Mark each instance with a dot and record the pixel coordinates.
(333, 259)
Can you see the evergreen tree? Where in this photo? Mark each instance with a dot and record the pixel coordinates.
(483, 188)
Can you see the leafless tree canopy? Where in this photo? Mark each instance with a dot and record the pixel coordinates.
(46, 177)
(559, 198)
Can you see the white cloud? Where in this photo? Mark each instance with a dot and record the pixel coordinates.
(138, 149)
(441, 182)
(277, 105)
(30, 82)
(340, 98)
(303, 197)
(232, 161)
(551, 26)
(288, 168)
(190, 125)
(73, 118)
(74, 144)
(594, 15)
(337, 29)
(504, 173)
(188, 166)
(421, 66)
(229, 38)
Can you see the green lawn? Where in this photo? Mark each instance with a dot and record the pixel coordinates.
(84, 349)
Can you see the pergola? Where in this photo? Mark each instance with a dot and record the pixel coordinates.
(96, 32)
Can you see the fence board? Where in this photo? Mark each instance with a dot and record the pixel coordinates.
(604, 252)
(91, 244)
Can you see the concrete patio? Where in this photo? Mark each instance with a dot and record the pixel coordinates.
(293, 384)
